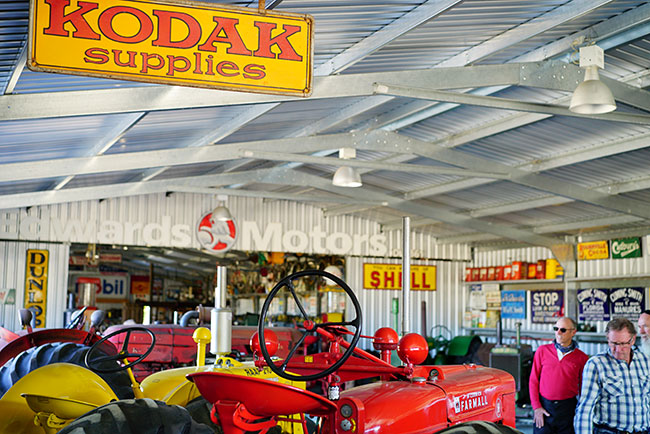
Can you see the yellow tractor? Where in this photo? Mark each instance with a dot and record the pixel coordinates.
(53, 398)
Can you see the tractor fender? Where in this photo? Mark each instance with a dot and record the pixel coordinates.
(58, 380)
(46, 336)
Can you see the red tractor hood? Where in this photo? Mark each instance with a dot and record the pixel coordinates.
(459, 394)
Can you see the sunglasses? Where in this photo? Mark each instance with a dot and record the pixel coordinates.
(561, 329)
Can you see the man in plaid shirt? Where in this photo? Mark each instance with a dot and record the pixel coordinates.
(615, 395)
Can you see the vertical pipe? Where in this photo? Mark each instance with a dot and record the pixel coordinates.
(221, 317)
(406, 274)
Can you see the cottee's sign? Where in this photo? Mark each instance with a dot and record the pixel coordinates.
(186, 44)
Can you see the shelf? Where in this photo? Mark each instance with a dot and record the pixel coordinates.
(514, 282)
(536, 334)
(599, 278)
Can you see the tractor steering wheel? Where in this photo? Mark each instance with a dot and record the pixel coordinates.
(442, 339)
(309, 326)
(94, 361)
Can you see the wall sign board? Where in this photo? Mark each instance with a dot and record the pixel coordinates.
(36, 284)
(177, 43)
(389, 276)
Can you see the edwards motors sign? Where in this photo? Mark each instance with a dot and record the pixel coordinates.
(180, 43)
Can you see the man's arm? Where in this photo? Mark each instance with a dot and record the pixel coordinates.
(533, 381)
(589, 396)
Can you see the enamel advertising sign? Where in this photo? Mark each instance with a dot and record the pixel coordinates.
(176, 43)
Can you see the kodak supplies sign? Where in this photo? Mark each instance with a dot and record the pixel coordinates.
(389, 276)
(185, 44)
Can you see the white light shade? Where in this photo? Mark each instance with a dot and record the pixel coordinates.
(346, 176)
(592, 96)
(221, 213)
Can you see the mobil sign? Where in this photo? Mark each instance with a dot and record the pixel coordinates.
(107, 286)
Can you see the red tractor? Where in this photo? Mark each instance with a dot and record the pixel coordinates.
(401, 399)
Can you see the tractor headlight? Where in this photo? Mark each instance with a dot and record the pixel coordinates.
(346, 410)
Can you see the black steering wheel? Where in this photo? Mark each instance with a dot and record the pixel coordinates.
(76, 317)
(309, 326)
(96, 358)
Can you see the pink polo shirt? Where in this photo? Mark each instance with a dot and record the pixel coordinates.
(555, 379)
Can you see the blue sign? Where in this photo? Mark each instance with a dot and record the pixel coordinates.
(513, 304)
(593, 304)
(627, 302)
(547, 306)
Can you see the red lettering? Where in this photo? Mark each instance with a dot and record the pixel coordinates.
(210, 64)
(58, 18)
(232, 38)
(172, 68)
(106, 24)
(424, 281)
(96, 55)
(130, 62)
(146, 65)
(197, 64)
(224, 66)
(389, 279)
(281, 41)
(414, 283)
(165, 29)
(254, 72)
(374, 279)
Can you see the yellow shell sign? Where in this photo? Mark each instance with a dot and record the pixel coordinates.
(186, 44)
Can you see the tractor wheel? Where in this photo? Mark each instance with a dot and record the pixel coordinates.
(136, 416)
(199, 409)
(57, 352)
(479, 427)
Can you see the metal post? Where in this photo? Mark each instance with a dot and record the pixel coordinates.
(406, 274)
(221, 317)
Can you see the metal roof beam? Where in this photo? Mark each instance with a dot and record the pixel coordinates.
(154, 98)
(506, 104)
(610, 33)
(166, 157)
(377, 141)
(432, 212)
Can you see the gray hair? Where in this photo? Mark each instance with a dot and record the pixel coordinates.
(618, 324)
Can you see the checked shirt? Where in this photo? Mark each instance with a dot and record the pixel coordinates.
(614, 394)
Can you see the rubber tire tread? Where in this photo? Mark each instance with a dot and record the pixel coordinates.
(57, 352)
(479, 427)
(136, 416)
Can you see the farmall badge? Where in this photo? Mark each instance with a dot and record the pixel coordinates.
(469, 402)
(216, 236)
(176, 43)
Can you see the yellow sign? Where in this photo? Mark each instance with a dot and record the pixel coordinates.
(593, 250)
(185, 44)
(389, 276)
(36, 284)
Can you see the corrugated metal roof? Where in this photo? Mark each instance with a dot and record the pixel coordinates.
(599, 160)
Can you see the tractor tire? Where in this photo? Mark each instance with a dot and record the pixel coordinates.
(479, 427)
(58, 352)
(136, 416)
(199, 409)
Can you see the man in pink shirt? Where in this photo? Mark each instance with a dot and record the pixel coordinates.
(555, 380)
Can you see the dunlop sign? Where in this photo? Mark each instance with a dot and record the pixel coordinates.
(36, 284)
(185, 44)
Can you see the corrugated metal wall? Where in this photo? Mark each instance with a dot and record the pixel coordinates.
(50, 222)
(444, 306)
(13, 259)
(604, 273)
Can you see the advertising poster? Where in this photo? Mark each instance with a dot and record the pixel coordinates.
(477, 300)
(547, 306)
(593, 304)
(513, 304)
(627, 302)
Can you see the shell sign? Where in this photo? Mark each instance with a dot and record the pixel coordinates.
(185, 44)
